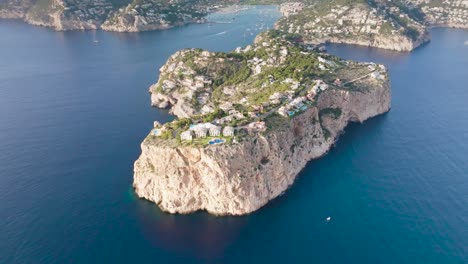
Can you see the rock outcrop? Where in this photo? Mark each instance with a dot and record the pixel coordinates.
(303, 117)
(239, 179)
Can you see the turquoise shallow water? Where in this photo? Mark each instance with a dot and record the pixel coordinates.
(73, 113)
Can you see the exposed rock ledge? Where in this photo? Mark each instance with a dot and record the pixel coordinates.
(239, 179)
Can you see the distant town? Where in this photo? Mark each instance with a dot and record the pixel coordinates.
(323, 20)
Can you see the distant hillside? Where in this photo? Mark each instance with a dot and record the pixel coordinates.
(384, 24)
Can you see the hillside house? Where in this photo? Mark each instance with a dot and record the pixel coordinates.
(215, 131)
(201, 132)
(228, 131)
(186, 135)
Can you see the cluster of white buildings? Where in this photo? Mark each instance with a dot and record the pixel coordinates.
(449, 12)
(206, 129)
(291, 8)
(87, 10)
(298, 104)
(291, 108)
(160, 13)
(343, 20)
(257, 64)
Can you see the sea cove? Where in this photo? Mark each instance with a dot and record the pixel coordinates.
(74, 108)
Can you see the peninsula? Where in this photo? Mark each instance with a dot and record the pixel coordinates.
(249, 121)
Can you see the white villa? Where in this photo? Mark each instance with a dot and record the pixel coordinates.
(187, 135)
(215, 131)
(228, 131)
(201, 132)
(283, 111)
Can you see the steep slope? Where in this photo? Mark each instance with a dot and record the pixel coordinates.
(286, 104)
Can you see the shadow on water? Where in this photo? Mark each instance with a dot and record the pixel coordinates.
(199, 234)
(209, 237)
(302, 184)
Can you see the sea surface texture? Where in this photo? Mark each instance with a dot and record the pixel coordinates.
(74, 108)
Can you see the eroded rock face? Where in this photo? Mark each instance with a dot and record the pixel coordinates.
(241, 178)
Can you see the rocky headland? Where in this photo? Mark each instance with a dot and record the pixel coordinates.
(381, 24)
(249, 121)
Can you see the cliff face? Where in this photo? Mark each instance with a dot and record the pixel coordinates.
(241, 178)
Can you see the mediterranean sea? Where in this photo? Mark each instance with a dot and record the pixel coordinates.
(74, 108)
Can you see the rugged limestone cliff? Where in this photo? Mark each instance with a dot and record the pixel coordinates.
(240, 177)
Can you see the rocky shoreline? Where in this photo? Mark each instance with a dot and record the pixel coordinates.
(382, 25)
(136, 16)
(240, 179)
(396, 43)
(299, 119)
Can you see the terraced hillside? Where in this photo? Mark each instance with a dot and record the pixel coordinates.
(381, 24)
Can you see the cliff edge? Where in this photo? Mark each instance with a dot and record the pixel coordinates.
(231, 159)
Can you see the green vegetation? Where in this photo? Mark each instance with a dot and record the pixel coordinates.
(329, 20)
(261, 82)
(334, 112)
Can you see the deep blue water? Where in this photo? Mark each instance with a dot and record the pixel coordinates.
(73, 114)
